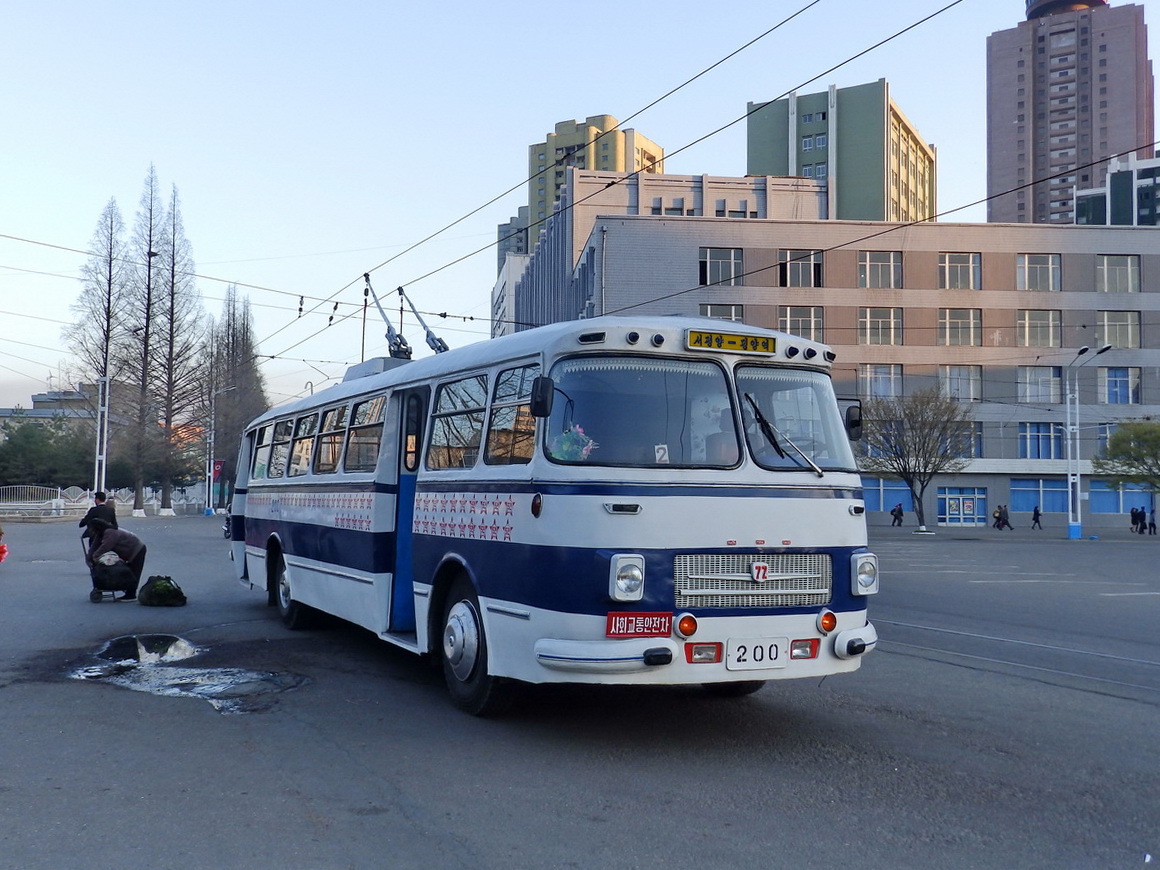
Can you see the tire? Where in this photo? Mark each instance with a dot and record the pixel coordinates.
(96, 595)
(295, 615)
(463, 651)
(733, 690)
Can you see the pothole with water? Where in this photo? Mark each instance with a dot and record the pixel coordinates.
(145, 663)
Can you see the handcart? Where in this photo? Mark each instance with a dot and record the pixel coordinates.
(108, 579)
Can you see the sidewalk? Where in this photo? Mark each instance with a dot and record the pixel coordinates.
(1020, 534)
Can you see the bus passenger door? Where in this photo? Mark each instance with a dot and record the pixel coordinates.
(412, 411)
(237, 518)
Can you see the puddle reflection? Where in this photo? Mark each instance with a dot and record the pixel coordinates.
(143, 663)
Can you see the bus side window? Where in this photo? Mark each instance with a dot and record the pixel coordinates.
(412, 432)
(457, 426)
(261, 452)
(330, 440)
(303, 445)
(280, 450)
(366, 433)
(511, 432)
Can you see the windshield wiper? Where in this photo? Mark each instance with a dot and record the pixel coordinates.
(767, 428)
(771, 432)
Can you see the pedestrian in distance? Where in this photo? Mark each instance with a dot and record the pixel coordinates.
(1152, 522)
(996, 515)
(131, 549)
(1035, 517)
(1004, 518)
(1143, 521)
(897, 512)
(101, 510)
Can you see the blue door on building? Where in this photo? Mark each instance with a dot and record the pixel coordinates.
(962, 506)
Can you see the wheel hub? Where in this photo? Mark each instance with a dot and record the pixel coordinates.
(461, 640)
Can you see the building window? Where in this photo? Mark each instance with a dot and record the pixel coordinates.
(1037, 328)
(800, 268)
(1040, 441)
(880, 326)
(1120, 328)
(807, 143)
(960, 327)
(1118, 273)
(808, 171)
(820, 170)
(964, 383)
(879, 381)
(1037, 272)
(723, 311)
(721, 267)
(820, 140)
(1039, 384)
(969, 443)
(1119, 385)
(1049, 494)
(808, 321)
(880, 269)
(960, 271)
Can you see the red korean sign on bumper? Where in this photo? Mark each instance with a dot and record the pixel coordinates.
(639, 625)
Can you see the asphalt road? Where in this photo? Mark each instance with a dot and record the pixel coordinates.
(1008, 719)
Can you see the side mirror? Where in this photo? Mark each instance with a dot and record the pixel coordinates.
(854, 422)
(543, 391)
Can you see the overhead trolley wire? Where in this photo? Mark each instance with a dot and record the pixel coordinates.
(683, 148)
(525, 181)
(893, 228)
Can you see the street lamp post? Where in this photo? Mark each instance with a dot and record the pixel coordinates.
(1074, 500)
(101, 458)
(209, 505)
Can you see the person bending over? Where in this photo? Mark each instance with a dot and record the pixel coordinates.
(106, 539)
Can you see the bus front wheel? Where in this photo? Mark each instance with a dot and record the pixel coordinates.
(464, 654)
(295, 615)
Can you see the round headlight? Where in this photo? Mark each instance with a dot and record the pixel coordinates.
(867, 573)
(629, 578)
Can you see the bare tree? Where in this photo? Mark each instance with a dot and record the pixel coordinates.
(99, 325)
(235, 390)
(916, 437)
(179, 337)
(140, 357)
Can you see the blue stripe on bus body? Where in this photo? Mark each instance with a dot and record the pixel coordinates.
(570, 579)
(575, 579)
(370, 552)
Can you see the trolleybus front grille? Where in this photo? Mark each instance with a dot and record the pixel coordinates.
(727, 580)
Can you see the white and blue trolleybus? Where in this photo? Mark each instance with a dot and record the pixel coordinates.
(633, 500)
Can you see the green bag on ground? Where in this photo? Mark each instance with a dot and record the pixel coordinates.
(160, 591)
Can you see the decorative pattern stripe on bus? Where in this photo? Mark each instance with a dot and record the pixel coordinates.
(623, 490)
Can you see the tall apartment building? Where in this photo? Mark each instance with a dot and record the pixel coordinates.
(1130, 195)
(598, 144)
(873, 160)
(1066, 89)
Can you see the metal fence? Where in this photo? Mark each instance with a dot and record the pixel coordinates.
(50, 501)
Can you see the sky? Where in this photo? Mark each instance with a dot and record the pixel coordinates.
(310, 143)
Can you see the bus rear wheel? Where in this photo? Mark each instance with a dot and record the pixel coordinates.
(733, 690)
(464, 655)
(295, 615)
